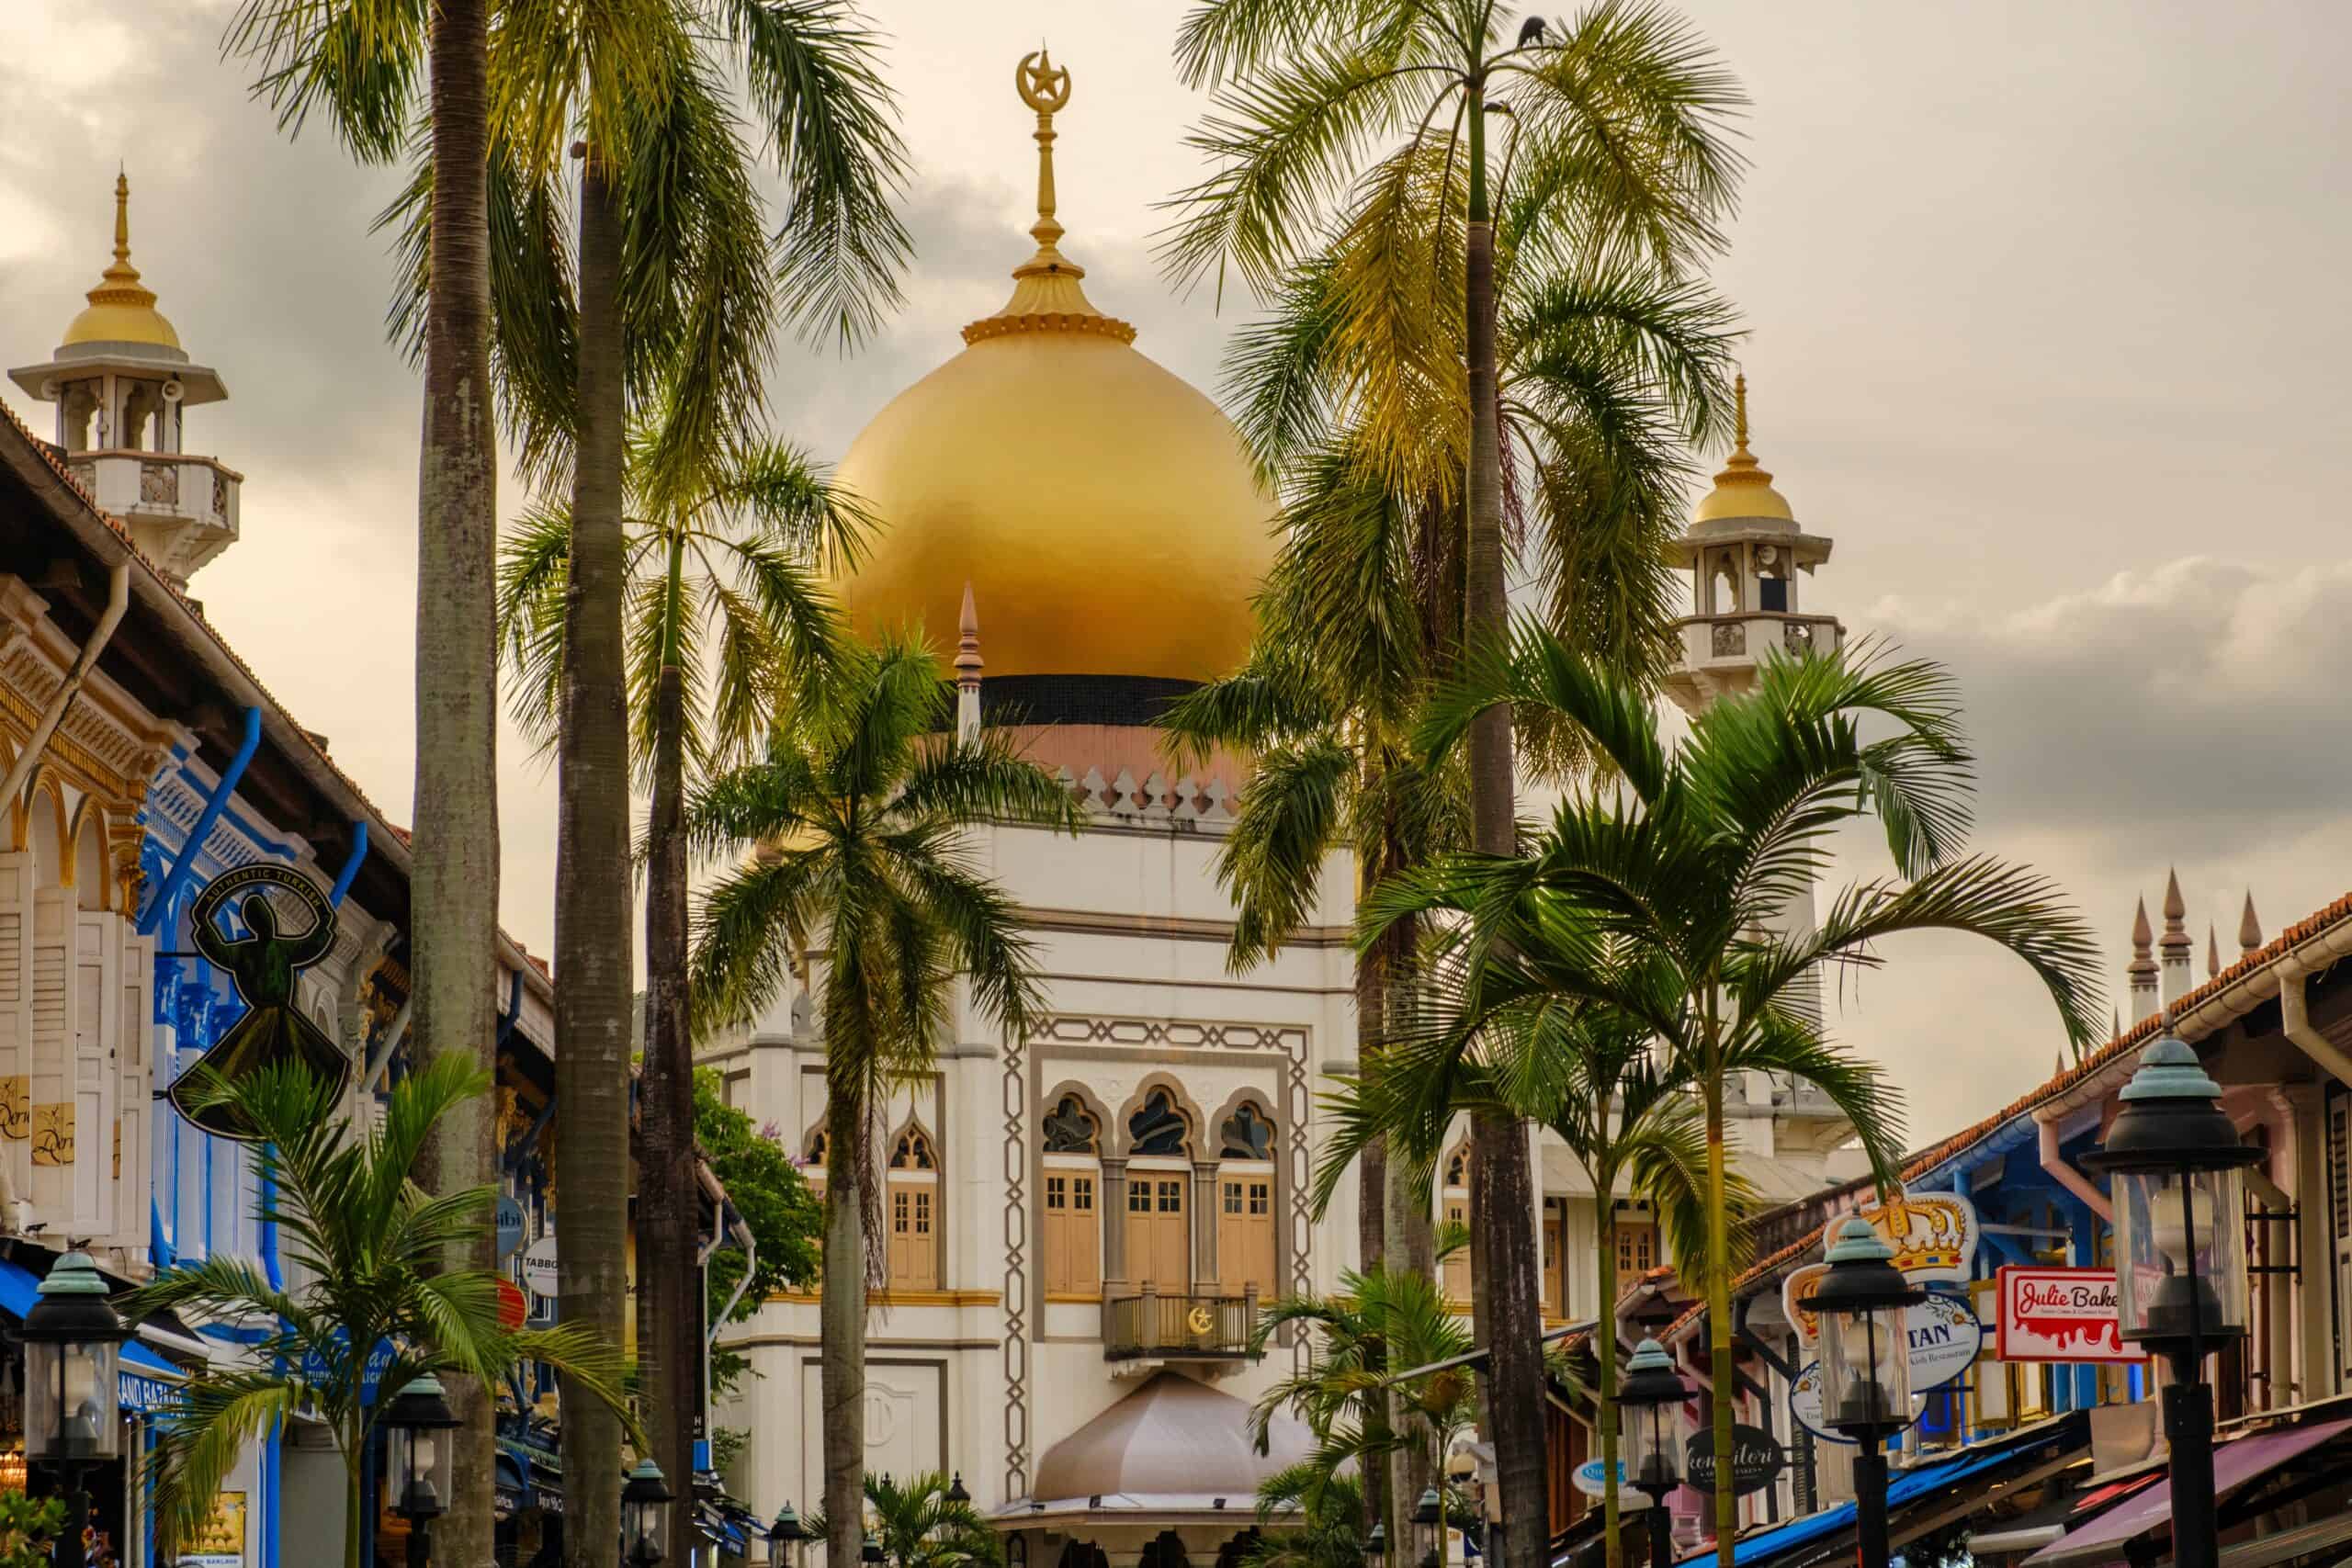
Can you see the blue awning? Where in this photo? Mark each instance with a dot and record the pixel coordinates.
(19, 1288)
(1904, 1487)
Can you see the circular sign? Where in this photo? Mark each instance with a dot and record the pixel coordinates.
(510, 1225)
(1756, 1460)
(1805, 1408)
(512, 1308)
(538, 1266)
(1591, 1478)
(1945, 1337)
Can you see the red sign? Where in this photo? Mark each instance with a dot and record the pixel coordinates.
(2060, 1315)
(512, 1308)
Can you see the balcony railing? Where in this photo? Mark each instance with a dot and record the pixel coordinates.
(1200, 1326)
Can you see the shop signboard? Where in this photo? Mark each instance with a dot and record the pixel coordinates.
(1934, 1237)
(1591, 1477)
(1756, 1460)
(220, 1540)
(1805, 1407)
(510, 1225)
(2060, 1315)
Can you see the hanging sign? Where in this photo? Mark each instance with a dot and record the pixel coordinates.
(510, 1225)
(539, 1267)
(2060, 1315)
(1934, 1237)
(288, 926)
(1805, 1407)
(1945, 1339)
(1591, 1478)
(1756, 1460)
(512, 1310)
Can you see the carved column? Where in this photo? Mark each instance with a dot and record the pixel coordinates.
(1205, 1196)
(1115, 1225)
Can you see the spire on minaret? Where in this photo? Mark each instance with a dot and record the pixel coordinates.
(1047, 296)
(968, 668)
(2249, 928)
(2142, 967)
(2175, 947)
(2213, 952)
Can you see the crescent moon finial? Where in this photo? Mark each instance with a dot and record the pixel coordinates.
(1041, 86)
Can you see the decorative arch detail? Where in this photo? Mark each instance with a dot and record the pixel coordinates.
(1259, 1131)
(1143, 1130)
(1067, 1105)
(912, 1148)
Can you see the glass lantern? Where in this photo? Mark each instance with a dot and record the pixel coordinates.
(72, 1340)
(1863, 1303)
(645, 1514)
(420, 1437)
(2177, 1170)
(785, 1538)
(1652, 1391)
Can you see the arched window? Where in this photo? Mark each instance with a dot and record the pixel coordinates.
(1159, 1222)
(813, 1150)
(1245, 1219)
(1453, 1209)
(914, 1212)
(90, 880)
(1726, 580)
(1072, 1187)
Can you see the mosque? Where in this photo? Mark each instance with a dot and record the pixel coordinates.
(1084, 1224)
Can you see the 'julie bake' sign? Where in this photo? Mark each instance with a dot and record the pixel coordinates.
(2060, 1315)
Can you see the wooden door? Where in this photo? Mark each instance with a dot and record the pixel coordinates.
(1159, 1249)
(97, 1004)
(1456, 1269)
(1073, 1233)
(1244, 1231)
(914, 1236)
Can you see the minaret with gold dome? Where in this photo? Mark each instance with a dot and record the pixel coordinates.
(123, 385)
(1102, 510)
(1746, 554)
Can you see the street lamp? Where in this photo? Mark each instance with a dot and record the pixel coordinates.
(1863, 1301)
(956, 1493)
(72, 1336)
(872, 1551)
(787, 1538)
(2176, 1180)
(1653, 1390)
(645, 1514)
(1427, 1513)
(419, 1429)
(1375, 1545)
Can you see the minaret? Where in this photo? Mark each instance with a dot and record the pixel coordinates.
(967, 669)
(122, 386)
(2249, 930)
(2213, 952)
(2175, 947)
(2142, 968)
(1745, 554)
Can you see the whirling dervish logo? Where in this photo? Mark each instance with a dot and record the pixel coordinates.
(263, 965)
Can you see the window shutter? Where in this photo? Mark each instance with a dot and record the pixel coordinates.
(51, 1094)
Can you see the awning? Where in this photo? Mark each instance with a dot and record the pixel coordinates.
(2235, 1464)
(1919, 1482)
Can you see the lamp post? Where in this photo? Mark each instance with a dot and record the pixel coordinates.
(1863, 1301)
(956, 1493)
(1430, 1513)
(1651, 1390)
(787, 1538)
(418, 1428)
(1375, 1545)
(72, 1336)
(645, 1515)
(2176, 1180)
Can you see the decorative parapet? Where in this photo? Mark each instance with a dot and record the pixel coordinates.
(1187, 806)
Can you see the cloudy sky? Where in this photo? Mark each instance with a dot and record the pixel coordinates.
(2047, 326)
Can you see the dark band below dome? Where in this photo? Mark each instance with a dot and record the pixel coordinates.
(1131, 700)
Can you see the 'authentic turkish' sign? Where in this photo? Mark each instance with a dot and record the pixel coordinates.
(2060, 1315)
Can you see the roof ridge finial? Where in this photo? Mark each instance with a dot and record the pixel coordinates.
(1741, 467)
(120, 285)
(2143, 961)
(968, 641)
(1739, 416)
(2249, 928)
(1046, 90)
(2213, 952)
(1047, 296)
(2176, 937)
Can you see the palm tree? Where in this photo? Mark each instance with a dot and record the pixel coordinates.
(1327, 1521)
(855, 820)
(920, 1525)
(378, 1302)
(1660, 895)
(1622, 114)
(1627, 1112)
(726, 622)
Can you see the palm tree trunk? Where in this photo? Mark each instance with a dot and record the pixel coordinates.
(592, 892)
(668, 1334)
(1372, 1222)
(1604, 1346)
(840, 1324)
(453, 883)
(1409, 1232)
(1502, 1193)
(1720, 1371)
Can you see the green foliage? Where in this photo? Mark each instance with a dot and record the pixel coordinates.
(767, 1190)
(1322, 1521)
(369, 1248)
(919, 1526)
(27, 1528)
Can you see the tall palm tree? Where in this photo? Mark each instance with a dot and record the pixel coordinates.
(659, 315)
(370, 1246)
(855, 822)
(358, 64)
(1623, 114)
(1661, 894)
(1321, 1521)
(726, 620)
(1627, 1112)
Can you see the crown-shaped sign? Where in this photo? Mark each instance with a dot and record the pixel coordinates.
(1934, 1237)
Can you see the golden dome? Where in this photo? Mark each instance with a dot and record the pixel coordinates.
(1102, 510)
(121, 309)
(1743, 488)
